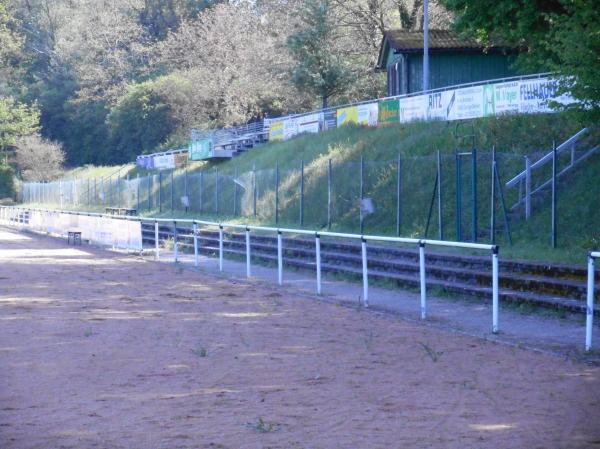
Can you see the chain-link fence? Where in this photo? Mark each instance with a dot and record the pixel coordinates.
(459, 196)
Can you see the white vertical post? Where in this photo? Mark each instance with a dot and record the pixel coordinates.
(423, 281)
(318, 262)
(589, 320)
(495, 290)
(248, 270)
(195, 244)
(156, 252)
(365, 273)
(527, 188)
(175, 246)
(425, 45)
(279, 258)
(572, 154)
(220, 247)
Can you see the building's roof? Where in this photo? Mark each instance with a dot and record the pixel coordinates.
(406, 41)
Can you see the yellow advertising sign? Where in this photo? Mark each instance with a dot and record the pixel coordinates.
(347, 115)
(276, 130)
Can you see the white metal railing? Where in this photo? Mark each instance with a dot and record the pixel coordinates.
(421, 243)
(525, 177)
(589, 312)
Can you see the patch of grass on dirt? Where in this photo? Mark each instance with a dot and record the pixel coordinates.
(262, 426)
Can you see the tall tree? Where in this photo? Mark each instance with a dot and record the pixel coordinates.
(320, 67)
(557, 35)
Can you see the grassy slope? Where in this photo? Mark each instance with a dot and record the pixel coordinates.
(512, 136)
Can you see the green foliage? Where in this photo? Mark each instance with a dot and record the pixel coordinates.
(139, 122)
(319, 68)
(557, 35)
(7, 183)
(16, 119)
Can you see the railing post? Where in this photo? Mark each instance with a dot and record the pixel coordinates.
(398, 197)
(573, 153)
(195, 244)
(361, 216)
(254, 189)
(589, 319)
(220, 247)
(365, 273)
(423, 280)
(554, 196)
(248, 268)
(279, 258)
(156, 251)
(318, 262)
(495, 294)
(527, 188)
(277, 193)
(175, 246)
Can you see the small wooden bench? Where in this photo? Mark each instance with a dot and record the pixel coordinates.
(75, 236)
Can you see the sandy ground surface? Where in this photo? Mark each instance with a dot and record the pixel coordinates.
(102, 350)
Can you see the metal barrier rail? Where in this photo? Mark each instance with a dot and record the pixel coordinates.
(589, 320)
(421, 243)
(16, 215)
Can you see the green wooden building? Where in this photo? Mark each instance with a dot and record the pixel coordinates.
(452, 60)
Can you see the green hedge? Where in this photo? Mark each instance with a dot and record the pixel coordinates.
(7, 182)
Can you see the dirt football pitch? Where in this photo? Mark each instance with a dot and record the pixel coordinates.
(106, 350)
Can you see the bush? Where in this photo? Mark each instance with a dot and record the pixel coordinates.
(7, 182)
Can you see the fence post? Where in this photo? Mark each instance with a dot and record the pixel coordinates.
(527, 188)
(172, 191)
(439, 189)
(329, 194)
(60, 193)
(156, 251)
(89, 200)
(422, 280)
(302, 193)
(137, 195)
(216, 191)
(362, 194)
(195, 230)
(365, 272)
(160, 191)
(589, 314)
(554, 217)
(493, 202)
(458, 199)
(175, 242)
(248, 270)
(254, 188)
(277, 192)
(220, 247)
(495, 290)
(318, 262)
(201, 190)
(185, 190)
(235, 191)
(279, 258)
(474, 193)
(398, 197)
(573, 153)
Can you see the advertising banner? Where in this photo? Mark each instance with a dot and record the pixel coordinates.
(413, 108)
(310, 123)
(389, 112)
(181, 159)
(535, 95)
(276, 130)
(200, 150)
(164, 162)
(468, 103)
(347, 115)
(505, 99)
(367, 114)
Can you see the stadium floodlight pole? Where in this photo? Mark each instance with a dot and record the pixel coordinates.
(365, 272)
(220, 247)
(248, 269)
(318, 262)
(589, 312)
(156, 253)
(195, 244)
(279, 258)
(425, 45)
(423, 280)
